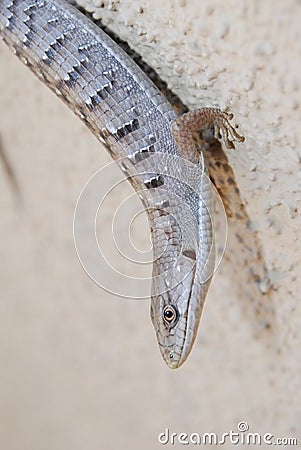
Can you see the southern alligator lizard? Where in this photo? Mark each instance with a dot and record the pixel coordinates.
(133, 120)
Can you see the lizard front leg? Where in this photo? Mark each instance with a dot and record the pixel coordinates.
(184, 128)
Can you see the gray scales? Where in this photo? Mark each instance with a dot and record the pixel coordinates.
(135, 122)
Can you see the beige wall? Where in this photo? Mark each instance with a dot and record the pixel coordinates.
(80, 368)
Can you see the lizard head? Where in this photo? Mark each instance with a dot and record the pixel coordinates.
(176, 312)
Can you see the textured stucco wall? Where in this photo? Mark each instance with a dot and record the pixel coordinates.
(80, 368)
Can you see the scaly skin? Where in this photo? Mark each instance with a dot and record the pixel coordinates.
(132, 119)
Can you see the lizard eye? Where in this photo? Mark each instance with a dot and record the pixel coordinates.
(170, 315)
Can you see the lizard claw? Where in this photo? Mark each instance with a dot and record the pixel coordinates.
(224, 129)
